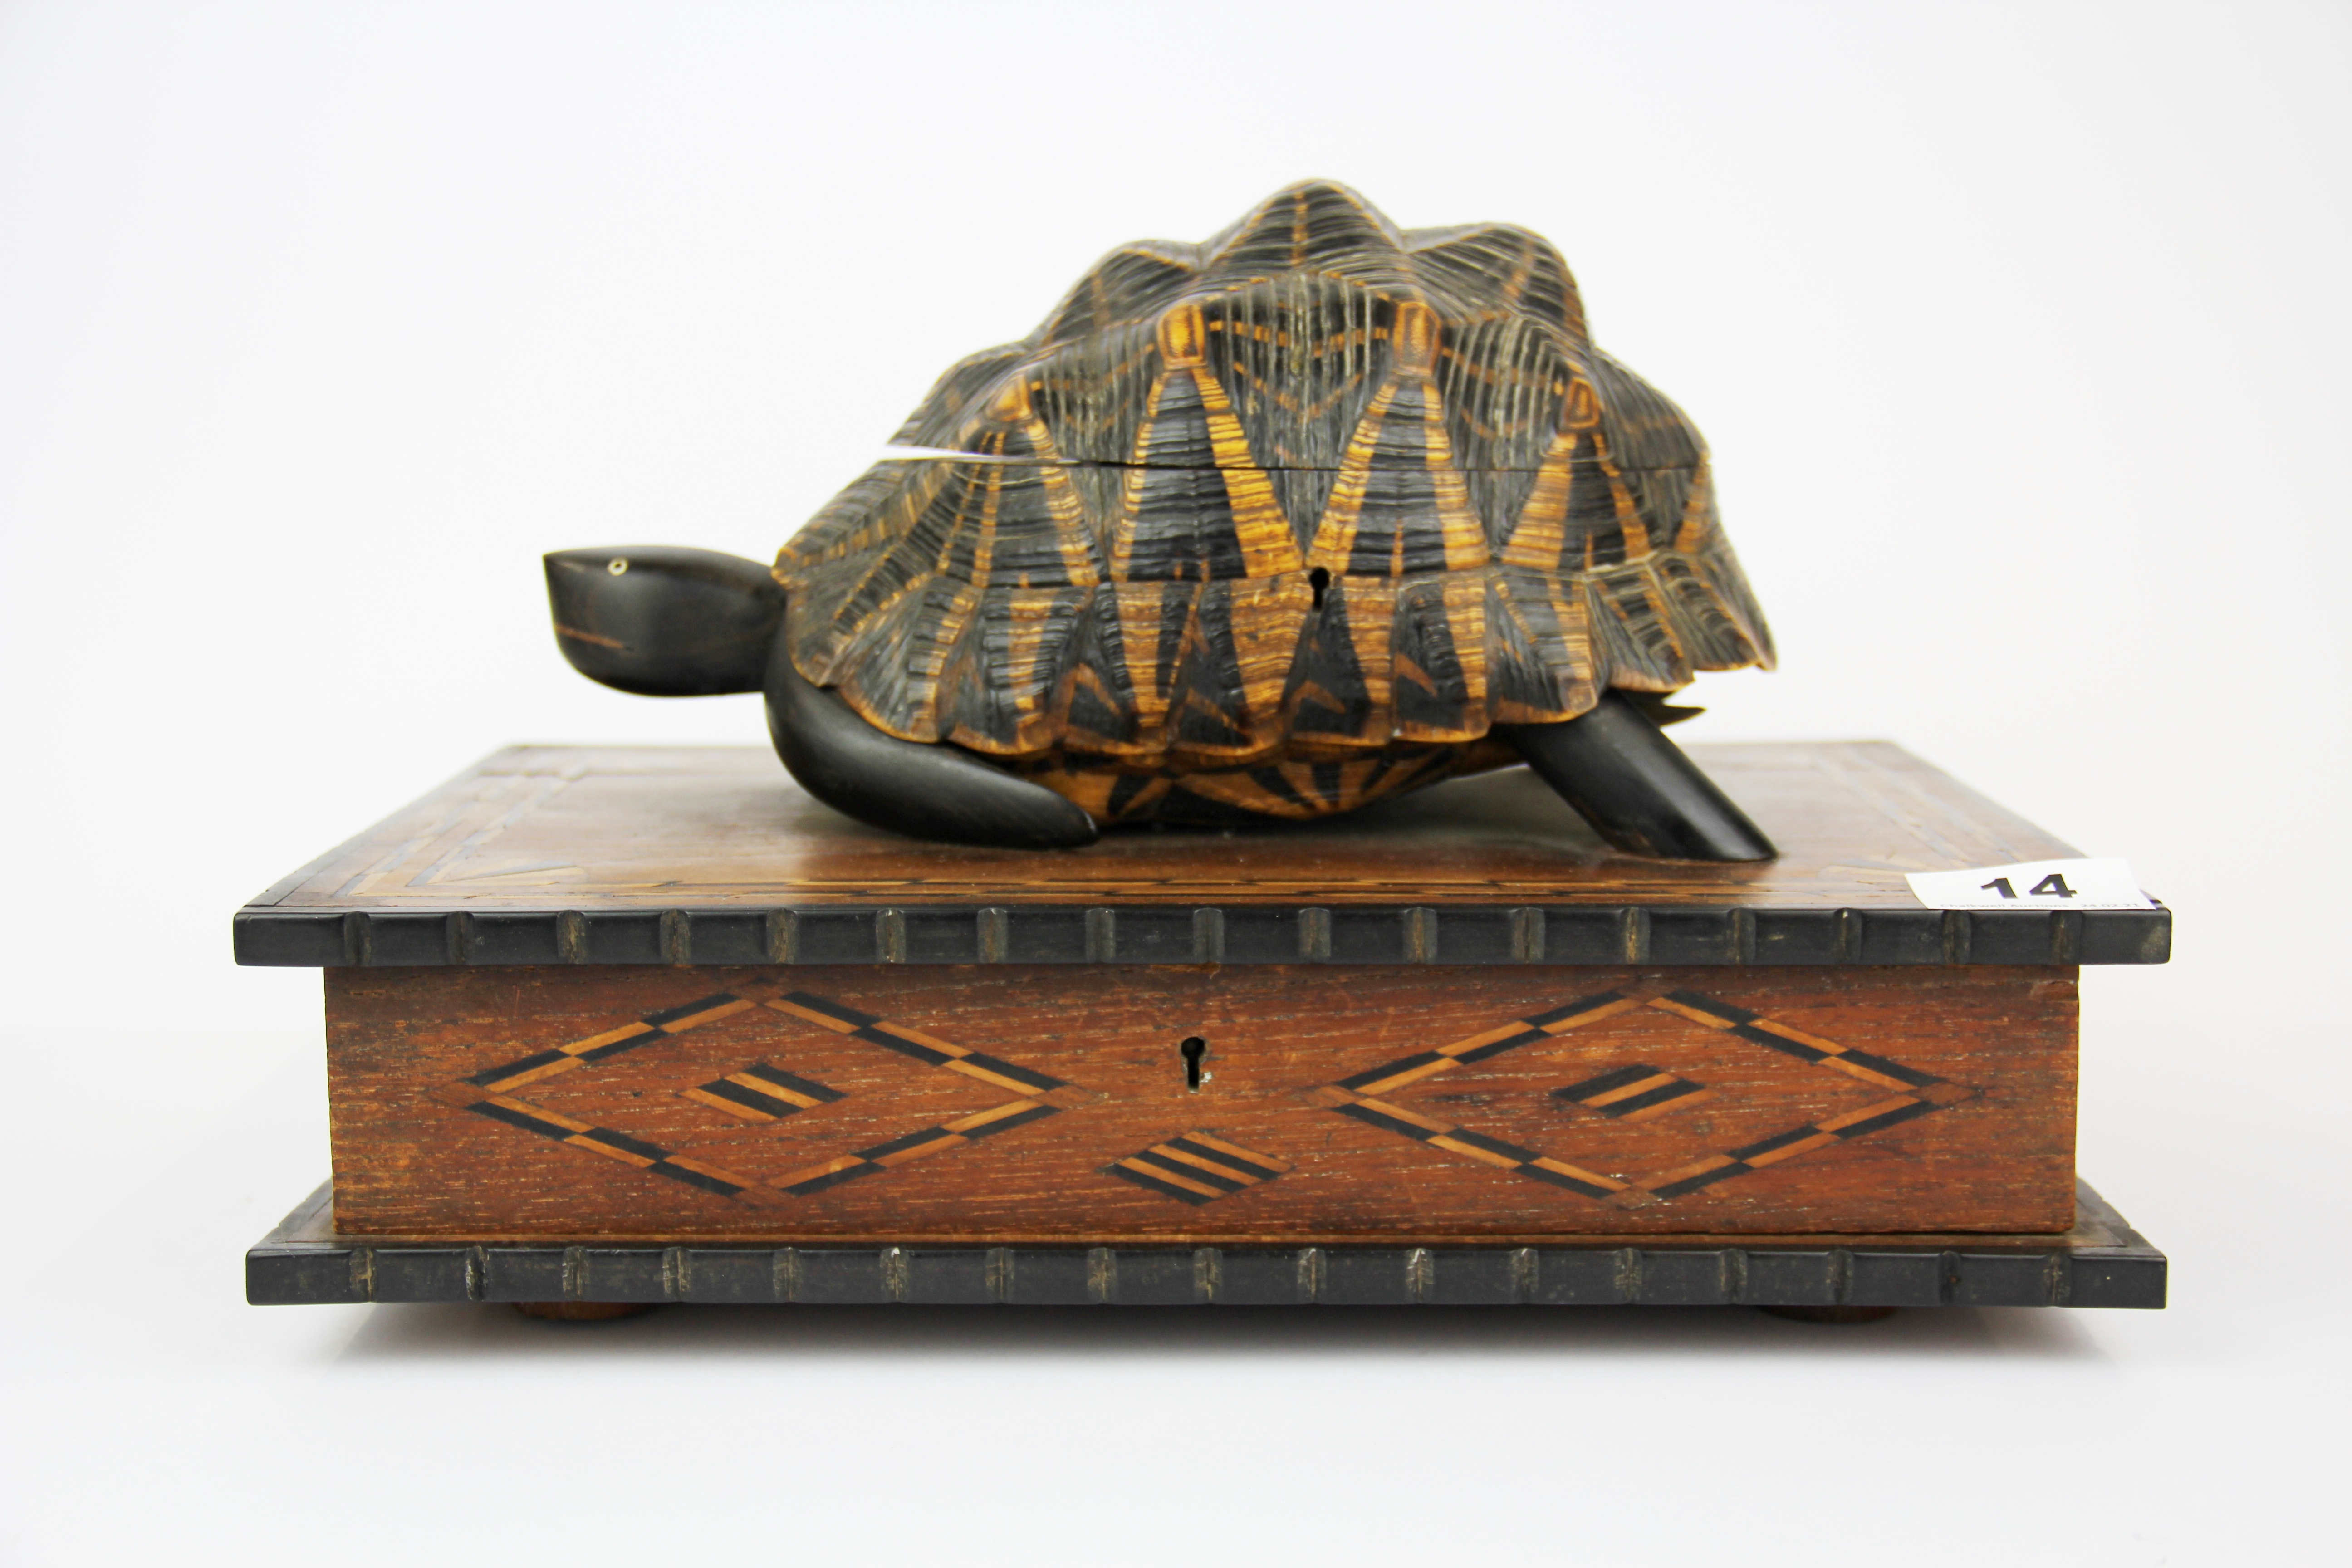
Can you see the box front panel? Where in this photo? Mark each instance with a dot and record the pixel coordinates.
(1316, 1103)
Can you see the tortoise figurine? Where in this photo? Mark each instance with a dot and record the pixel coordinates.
(1269, 527)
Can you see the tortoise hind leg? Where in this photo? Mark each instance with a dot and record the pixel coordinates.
(1636, 786)
(924, 791)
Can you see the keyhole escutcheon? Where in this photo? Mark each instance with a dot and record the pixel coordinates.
(1196, 1050)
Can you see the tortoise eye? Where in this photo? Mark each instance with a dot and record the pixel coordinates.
(618, 566)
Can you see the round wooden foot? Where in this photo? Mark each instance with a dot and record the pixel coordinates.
(1831, 1314)
(582, 1311)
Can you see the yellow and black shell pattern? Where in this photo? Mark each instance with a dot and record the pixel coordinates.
(1276, 524)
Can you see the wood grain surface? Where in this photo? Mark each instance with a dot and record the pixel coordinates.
(1027, 1103)
(642, 828)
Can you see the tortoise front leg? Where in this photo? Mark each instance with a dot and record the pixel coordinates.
(924, 791)
(1636, 786)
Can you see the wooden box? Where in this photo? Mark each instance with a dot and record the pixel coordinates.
(659, 995)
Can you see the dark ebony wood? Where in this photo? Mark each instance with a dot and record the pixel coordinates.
(663, 621)
(1636, 787)
(938, 791)
(2102, 1262)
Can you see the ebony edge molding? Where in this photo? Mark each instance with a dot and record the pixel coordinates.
(2102, 1262)
(1231, 933)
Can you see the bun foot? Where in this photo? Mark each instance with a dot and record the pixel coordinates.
(582, 1311)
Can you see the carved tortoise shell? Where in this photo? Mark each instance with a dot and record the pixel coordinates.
(1280, 522)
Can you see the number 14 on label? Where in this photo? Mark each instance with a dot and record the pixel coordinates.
(2054, 885)
(2087, 884)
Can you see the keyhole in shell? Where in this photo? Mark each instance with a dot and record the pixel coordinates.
(1194, 1048)
(1318, 580)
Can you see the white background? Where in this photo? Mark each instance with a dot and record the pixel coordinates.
(2019, 333)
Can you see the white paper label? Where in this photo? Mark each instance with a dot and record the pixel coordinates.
(2090, 884)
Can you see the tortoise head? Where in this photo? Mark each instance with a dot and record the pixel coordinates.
(664, 621)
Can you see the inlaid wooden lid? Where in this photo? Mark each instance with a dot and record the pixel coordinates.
(552, 855)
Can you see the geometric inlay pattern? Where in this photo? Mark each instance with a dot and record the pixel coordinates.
(1360, 1097)
(1197, 1168)
(1634, 1093)
(763, 1092)
(760, 1092)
